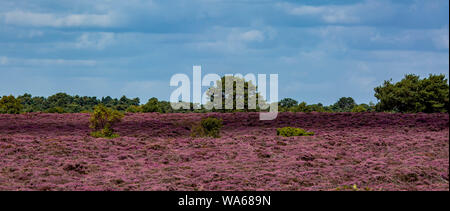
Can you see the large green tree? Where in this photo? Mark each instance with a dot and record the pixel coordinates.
(413, 94)
(10, 105)
(250, 94)
(151, 106)
(344, 104)
(288, 103)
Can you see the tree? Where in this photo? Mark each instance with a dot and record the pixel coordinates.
(10, 105)
(151, 106)
(38, 104)
(250, 94)
(165, 107)
(59, 100)
(344, 104)
(413, 94)
(301, 107)
(106, 100)
(317, 107)
(434, 94)
(288, 103)
(134, 109)
(102, 121)
(27, 102)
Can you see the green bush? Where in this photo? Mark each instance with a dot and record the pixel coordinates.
(56, 109)
(104, 133)
(359, 108)
(209, 127)
(134, 109)
(10, 105)
(291, 131)
(102, 120)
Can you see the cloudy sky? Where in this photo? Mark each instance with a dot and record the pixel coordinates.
(321, 49)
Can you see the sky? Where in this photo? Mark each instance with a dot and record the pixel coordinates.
(321, 49)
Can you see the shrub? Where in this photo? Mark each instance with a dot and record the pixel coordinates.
(291, 131)
(209, 127)
(359, 108)
(134, 109)
(104, 133)
(102, 120)
(10, 105)
(56, 109)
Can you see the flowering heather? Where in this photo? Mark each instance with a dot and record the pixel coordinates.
(374, 151)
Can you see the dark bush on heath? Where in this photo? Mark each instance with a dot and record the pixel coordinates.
(209, 127)
(291, 131)
(102, 121)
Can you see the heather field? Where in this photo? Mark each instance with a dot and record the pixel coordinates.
(374, 151)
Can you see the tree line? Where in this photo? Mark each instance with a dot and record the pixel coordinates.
(410, 95)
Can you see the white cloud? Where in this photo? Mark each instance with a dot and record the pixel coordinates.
(253, 35)
(236, 39)
(23, 18)
(3, 60)
(341, 14)
(35, 33)
(365, 37)
(328, 14)
(306, 10)
(440, 39)
(95, 40)
(45, 62)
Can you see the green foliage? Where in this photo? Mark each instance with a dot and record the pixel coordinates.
(303, 107)
(209, 127)
(287, 103)
(33, 104)
(102, 120)
(165, 107)
(369, 107)
(64, 103)
(104, 133)
(59, 100)
(10, 105)
(151, 106)
(250, 94)
(344, 104)
(412, 94)
(154, 105)
(56, 109)
(134, 109)
(291, 131)
(25, 100)
(359, 108)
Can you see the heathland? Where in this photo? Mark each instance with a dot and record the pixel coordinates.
(348, 151)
